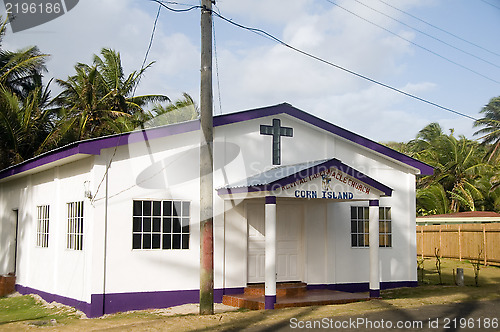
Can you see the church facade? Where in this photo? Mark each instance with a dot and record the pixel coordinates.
(112, 224)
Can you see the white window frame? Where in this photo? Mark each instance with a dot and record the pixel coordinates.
(360, 227)
(161, 224)
(74, 232)
(42, 226)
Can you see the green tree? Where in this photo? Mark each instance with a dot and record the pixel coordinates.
(184, 109)
(20, 71)
(98, 100)
(491, 130)
(27, 126)
(458, 170)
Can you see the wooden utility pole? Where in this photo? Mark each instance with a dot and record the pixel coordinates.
(206, 165)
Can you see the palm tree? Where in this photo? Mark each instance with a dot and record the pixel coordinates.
(20, 71)
(27, 126)
(458, 169)
(491, 130)
(98, 100)
(184, 109)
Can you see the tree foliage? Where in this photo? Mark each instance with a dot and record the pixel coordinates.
(98, 99)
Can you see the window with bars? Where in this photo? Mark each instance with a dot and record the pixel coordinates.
(42, 226)
(74, 234)
(160, 224)
(385, 227)
(360, 227)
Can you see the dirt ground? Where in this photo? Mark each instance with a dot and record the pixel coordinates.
(186, 318)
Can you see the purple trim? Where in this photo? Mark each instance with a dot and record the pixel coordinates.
(269, 301)
(311, 119)
(374, 202)
(270, 199)
(94, 146)
(364, 286)
(311, 171)
(146, 300)
(80, 305)
(374, 293)
(119, 302)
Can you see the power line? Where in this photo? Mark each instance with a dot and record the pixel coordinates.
(440, 29)
(415, 44)
(265, 34)
(489, 3)
(149, 48)
(428, 35)
(217, 68)
(163, 4)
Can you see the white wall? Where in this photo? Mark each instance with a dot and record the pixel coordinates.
(54, 269)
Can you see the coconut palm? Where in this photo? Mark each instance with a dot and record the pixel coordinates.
(491, 130)
(458, 168)
(98, 100)
(20, 71)
(27, 126)
(184, 109)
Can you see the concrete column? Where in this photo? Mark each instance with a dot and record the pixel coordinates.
(374, 248)
(270, 256)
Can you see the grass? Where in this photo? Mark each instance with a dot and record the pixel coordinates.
(17, 313)
(28, 309)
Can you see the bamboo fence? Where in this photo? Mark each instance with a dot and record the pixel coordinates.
(461, 241)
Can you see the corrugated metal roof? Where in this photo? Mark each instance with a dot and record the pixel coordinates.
(274, 174)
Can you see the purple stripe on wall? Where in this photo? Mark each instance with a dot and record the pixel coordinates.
(374, 202)
(80, 305)
(119, 302)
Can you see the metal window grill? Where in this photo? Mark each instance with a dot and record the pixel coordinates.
(74, 237)
(42, 226)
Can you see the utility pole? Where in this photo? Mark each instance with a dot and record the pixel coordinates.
(206, 165)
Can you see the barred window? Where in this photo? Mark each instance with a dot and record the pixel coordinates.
(74, 234)
(160, 224)
(42, 226)
(360, 227)
(385, 227)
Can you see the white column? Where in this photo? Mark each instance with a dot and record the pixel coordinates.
(374, 248)
(270, 256)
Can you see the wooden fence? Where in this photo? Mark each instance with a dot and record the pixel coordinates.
(462, 241)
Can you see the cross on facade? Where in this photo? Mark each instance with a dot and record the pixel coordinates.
(276, 131)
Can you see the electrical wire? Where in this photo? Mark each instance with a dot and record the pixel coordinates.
(261, 32)
(440, 29)
(163, 4)
(217, 68)
(492, 5)
(428, 35)
(108, 165)
(415, 44)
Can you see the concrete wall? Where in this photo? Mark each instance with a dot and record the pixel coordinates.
(55, 269)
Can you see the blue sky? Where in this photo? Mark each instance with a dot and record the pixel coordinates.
(255, 72)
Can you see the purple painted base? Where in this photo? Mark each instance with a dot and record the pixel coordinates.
(101, 304)
(374, 293)
(270, 300)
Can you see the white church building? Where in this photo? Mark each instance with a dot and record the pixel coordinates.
(112, 224)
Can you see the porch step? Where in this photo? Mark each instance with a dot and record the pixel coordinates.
(282, 289)
(291, 295)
